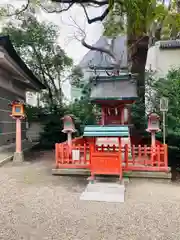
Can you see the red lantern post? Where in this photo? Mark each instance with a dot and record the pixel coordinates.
(18, 114)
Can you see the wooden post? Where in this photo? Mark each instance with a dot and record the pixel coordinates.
(165, 155)
(126, 154)
(18, 155)
(120, 161)
(18, 136)
(56, 154)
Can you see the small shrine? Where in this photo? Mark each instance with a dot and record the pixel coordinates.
(109, 147)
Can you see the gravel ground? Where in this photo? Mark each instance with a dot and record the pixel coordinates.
(35, 205)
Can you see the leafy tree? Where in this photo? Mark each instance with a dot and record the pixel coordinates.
(76, 77)
(84, 112)
(37, 44)
(53, 126)
(168, 87)
(144, 21)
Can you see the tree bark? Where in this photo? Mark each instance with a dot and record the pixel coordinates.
(138, 56)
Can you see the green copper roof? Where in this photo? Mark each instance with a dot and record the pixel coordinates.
(122, 77)
(117, 90)
(106, 131)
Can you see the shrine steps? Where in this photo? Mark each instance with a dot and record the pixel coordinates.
(130, 174)
(102, 191)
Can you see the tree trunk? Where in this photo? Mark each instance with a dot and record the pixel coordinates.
(138, 55)
(178, 6)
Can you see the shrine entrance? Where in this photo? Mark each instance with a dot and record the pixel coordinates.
(105, 154)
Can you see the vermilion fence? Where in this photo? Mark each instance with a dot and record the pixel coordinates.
(75, 157)
(133, 158)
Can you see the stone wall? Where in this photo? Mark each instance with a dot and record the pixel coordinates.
(7, 124)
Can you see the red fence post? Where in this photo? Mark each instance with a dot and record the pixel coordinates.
(56, 154)
(165, 155)
(120, 162)
(145, 155)
(158, 155)
(85, 153)
(133, 154)
(62, 152)
(152, 155)
(139, 151)
(126, 154)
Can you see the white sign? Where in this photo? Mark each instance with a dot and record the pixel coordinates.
(164, 104)
(107, 141)
(75, 155)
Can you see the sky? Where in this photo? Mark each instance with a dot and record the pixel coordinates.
(67, 30)
(66, 40)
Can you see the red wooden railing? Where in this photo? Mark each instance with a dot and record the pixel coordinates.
(76, 156)
(134, 158)
(145, 158)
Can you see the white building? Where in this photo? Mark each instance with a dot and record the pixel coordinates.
(163, 56)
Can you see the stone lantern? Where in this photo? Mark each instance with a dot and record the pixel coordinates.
(69, 128)
(153, 126)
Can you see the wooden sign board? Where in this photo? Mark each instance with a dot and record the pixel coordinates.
(107, 141)
(75, 155)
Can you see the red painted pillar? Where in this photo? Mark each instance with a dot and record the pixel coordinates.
(18, 136)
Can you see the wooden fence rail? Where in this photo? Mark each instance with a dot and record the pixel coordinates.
(134, 158)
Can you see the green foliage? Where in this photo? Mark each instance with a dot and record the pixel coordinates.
(138, 117)
(34, 114)
(52, 122)
(84, 113)
(76, 77)
(53, 126)
(142, 17)
(36, 42)
(168, 87)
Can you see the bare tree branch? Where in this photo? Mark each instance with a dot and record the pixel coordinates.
(55, 10)
(96, 19)
(82, 39)
(85, 3)
(18, 12)
(99, 49)
(96, 2)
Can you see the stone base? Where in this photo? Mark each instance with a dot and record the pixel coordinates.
(18, 157)
(104, 192)
(130, 174)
